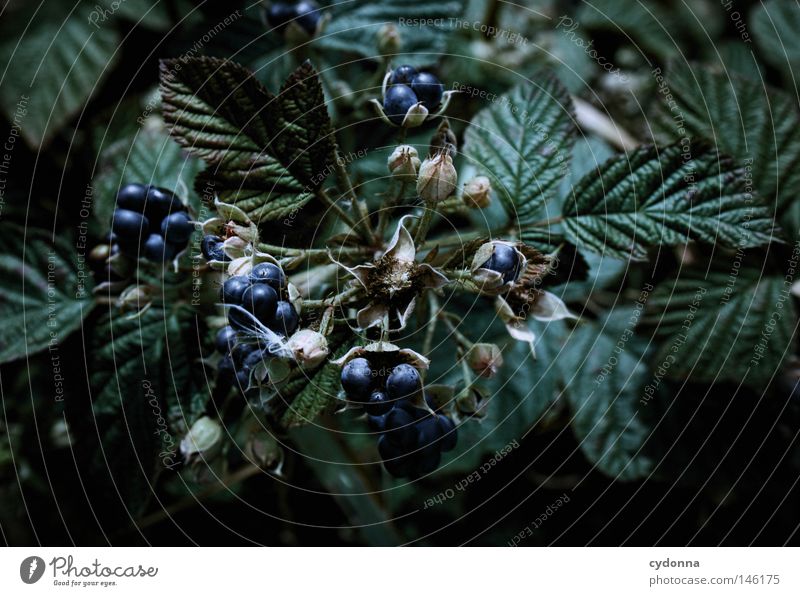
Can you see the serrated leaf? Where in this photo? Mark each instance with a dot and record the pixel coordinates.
(318, 393)
(303, 136)
(150, 156)
(775, 24)
(756, 125)
(42, 299)
(220, 112)
(523, 142)
(603, 386)
(54, 68)
(655, 196)
(726, 325)
(354, 27)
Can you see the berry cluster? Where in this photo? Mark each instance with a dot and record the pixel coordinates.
(413, 439)
(406, 88)
(505, 261)
(150, 222)
(237, 363)
(259, 296)
(305, 14)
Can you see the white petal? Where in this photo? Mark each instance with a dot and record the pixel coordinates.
(401, 246)
(550, 307)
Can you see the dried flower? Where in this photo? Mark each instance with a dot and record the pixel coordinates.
(404, 163)
(477, 193)
(437, 178)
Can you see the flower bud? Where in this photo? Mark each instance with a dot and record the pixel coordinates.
(443, 140)
(477, 193)
(310, 348)
(389, 41)
(404, 162)
(203, 441)
(263, 450)
(437, 178)
(485, 359)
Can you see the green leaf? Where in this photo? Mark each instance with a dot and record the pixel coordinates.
(354, 27)
(756, 125)
(603, 386)
(152, 14)
(643, 21)
(318, 393)
(730, 324)
(775, 24)
(303, 137)
(656, 196)
(149, 156)
(44, 296)
(54, 68)
(523, 142)
(221, 113)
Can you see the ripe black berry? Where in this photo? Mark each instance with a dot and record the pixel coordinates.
(211, 247)
(395, 459)
(270, 274)
(403, 383)
(233, 289)
(308, 15)
(286, 320)
(279, 14)
(161, 202)
(176, 228)
(261, 300)
(357, 379)
(428, 90)
(253, 359)
(402, 75)
(132, 196)
(398, 99)
(225, 340)
(155, 249)
(378, 404)
(400, 429)
(505, 261)
(449, 433)
(130, 228)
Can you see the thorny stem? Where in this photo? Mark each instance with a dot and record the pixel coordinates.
(383, 217)
(358, 205)
(430, 331)
(287, 251)
(325, 198)
(339, 299)
(425, 223)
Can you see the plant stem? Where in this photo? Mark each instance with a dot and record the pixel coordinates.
(359, 206)
(325, 198)
(337, 300)
(548, 222)
(430, 332)
(425, 223)
(383, 217)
